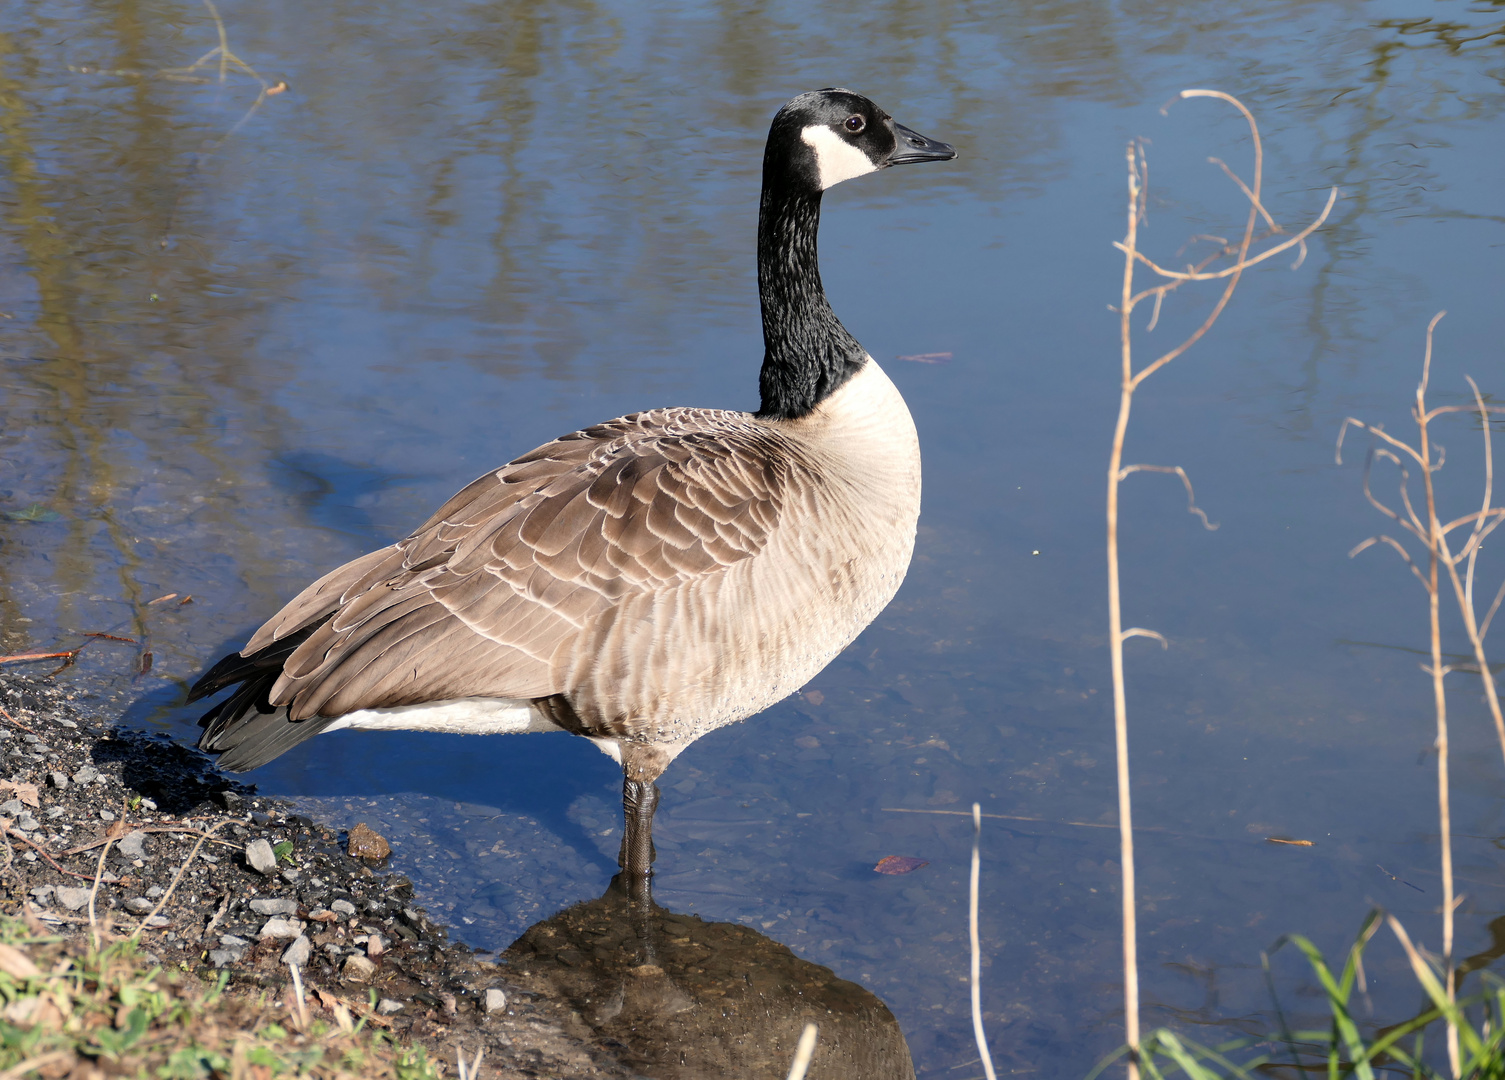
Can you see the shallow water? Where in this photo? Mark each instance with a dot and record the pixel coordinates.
(243, 347)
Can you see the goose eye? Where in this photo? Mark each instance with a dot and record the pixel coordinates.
(855, 124)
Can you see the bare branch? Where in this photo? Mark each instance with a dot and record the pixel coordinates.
(1139, 631)
(1400, 550)
(1244, 262)
(1490, 615)
(1173, 470)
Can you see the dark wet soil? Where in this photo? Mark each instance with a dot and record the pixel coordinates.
(128, 832)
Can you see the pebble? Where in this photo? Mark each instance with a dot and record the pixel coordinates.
(387, 1007)
(496, 1000)
(87, 775)
(27, 823)
(139, 905)
(12, 808)
(281, 906)
(43, 893)
(230, 941)
(297, 954)
(154, 892)
(74, 899)
(344, 907)
(280, 928)
(58, 779)
(107, 815)
(57, 812)
(357, 968)
(259, 855)
(131, 845)
(365, 843)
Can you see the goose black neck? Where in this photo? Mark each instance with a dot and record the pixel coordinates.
(807, 354)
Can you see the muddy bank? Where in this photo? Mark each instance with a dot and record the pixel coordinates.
(128, 832)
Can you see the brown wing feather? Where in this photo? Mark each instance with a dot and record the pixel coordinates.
(484, 599)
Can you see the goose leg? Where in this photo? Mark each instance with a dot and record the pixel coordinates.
(639, 801)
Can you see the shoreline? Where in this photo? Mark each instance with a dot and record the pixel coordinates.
(217, 879)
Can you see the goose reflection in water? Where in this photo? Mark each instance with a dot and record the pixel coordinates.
(688, 999)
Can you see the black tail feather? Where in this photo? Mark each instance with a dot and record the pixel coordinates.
(246, 730)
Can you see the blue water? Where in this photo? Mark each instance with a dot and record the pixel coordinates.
(239, 357)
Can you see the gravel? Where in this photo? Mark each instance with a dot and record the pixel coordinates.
(261, 887)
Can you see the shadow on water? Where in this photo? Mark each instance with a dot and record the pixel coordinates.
(687, 998)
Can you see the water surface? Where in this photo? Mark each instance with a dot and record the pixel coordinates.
(244, 346)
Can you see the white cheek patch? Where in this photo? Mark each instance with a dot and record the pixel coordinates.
(835, 158)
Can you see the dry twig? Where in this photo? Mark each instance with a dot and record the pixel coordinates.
(1243, 257)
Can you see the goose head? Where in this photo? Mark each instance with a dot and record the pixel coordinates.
(826, 136)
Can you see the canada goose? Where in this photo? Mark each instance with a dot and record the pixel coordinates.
(643, 581)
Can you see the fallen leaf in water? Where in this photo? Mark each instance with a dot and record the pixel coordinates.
(815, 697)
(1293, 843)
(280, 88)
(162, 599)
(899, 864)
(34, 512)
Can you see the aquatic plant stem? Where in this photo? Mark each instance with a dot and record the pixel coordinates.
(976, 942)
(1436, 542)
(1116, 638)
(1138, 182)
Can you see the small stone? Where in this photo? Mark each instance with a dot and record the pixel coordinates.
(148, 804)
(357, 969)
(131, 845)
(280, 928)
(210, 859)
(291, 876)
(297, 954)
(74, 899)
(87, 775)
(12, 808)
(30, 738)
(259, 855)
(43, 893)
(139, 905)
(154, 892)
(375, 946)
(276, 906)
(366, 843)
(56, 812)
(156, 922)
(27, 823)
(230, 941)
(387, 1007)
(61, 722)
(344, 907)
(58, 779)
(220, 957)
(107, 815)
(496, 1000)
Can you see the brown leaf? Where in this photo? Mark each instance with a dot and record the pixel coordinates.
(27, 793)
(16, 963)
(1293, 843)
(899, 864)
(116, 830)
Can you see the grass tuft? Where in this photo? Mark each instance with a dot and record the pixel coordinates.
(70, 1009)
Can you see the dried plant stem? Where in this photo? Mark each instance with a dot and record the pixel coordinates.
(1130, 380)
(1435, 545)
(976, 939)
(1116, 641)
(803, 1053)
